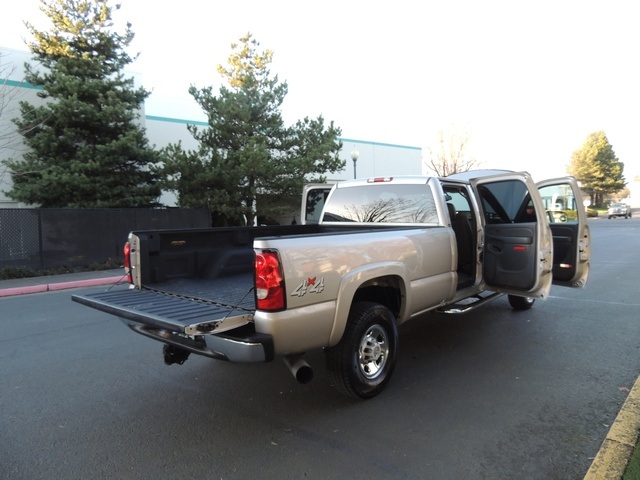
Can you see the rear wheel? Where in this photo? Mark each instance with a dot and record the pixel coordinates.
(521, 303)
(362, 362)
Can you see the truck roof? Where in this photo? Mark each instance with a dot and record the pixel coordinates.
(422, 179)
(404, 179)
(471, 174)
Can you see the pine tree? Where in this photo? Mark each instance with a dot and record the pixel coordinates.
(248, 163)
(87, 148)
(597, 168)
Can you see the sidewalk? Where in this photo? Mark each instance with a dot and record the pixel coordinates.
(22, 286)
(609, 464)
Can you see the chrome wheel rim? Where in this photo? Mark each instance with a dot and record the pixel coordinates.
(373, 352)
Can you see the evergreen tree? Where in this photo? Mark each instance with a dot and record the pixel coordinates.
(87, 148)
(248, 163)
(597, 168)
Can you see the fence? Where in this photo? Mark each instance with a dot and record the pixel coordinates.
(64, 237)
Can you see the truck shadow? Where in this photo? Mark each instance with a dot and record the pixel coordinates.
(446, 364)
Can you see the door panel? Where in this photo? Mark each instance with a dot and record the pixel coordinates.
(564, 252)
(510, 256)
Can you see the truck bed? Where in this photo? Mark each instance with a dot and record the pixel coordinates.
(196, 281)
(234, 290)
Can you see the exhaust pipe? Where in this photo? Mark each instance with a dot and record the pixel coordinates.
(299, 368)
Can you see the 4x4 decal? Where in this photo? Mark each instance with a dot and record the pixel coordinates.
(310, 285)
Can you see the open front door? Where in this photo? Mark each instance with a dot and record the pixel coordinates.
(571, 238)
(517, 248)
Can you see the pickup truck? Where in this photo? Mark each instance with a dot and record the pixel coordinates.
(384, 251)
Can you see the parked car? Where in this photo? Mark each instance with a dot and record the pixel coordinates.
(619, 210)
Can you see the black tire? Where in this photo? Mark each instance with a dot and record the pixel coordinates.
(362, 363)
(521, 303)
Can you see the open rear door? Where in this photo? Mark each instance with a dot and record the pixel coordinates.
(571, 237)
(517, 248)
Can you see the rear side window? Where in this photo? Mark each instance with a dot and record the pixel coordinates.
(382, 203)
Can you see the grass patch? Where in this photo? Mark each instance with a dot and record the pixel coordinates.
(633, 468)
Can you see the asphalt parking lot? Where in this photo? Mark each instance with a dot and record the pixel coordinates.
(493, 394)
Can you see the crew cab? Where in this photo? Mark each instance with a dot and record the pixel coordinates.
(383, 251)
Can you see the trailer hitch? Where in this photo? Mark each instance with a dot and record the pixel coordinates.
(174, 355)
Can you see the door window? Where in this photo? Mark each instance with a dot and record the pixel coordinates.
(560, 203)
(506, 201)
(314, 204)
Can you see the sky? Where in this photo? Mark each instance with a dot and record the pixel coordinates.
(527, 81)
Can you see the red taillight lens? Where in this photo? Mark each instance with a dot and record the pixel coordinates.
(127, 261)
(269, 282)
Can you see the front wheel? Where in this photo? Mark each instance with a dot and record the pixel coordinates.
(362, 362)
(521, 303)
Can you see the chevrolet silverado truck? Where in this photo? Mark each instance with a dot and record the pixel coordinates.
(384, 251)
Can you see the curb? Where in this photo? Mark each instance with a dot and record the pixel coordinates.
(613, 457)
(52, 287)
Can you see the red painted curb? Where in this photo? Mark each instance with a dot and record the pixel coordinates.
(52, 287)
(83, 283)
(8, 292)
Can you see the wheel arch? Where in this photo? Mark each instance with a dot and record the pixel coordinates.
(383, 284)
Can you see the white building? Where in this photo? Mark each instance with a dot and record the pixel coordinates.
(373, 158)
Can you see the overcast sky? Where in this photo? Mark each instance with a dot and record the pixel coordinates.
(528, 80)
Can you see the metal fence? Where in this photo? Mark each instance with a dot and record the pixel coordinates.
(64, 237)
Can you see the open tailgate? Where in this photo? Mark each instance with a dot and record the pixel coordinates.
(164, 310)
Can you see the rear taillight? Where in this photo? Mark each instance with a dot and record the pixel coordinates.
(269, 281)
(127, 261)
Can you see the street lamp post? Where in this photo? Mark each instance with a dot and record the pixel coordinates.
(354, 156)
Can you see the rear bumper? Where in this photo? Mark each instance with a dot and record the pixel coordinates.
(243, 344)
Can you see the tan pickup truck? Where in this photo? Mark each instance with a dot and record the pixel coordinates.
(384, 251)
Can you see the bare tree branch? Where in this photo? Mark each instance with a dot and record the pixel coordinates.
(450, 155)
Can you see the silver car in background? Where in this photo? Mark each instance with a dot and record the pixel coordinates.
(619, 210)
